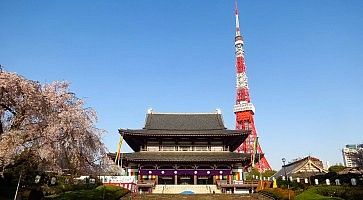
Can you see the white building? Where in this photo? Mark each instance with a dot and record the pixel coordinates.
(350, 154)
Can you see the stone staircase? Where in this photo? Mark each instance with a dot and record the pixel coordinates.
(215, 189)
(192, 189)
(196, 197)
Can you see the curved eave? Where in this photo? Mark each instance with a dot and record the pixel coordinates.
(183, 161)
(182, 157)
(155, 132)
(181, 134)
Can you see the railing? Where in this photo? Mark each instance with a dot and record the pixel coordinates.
(185, 148)
(185, 172)
(168, 148)
(201, 148)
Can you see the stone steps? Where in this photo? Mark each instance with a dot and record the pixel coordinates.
(198, 197)
(178, 189)
(158, 189)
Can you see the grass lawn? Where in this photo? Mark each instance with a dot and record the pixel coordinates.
(101, 192)
(312, 194)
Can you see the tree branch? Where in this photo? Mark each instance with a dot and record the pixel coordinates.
(1, 127)
(8, 108)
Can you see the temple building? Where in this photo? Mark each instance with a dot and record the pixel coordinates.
(301, 169)
(185, 148)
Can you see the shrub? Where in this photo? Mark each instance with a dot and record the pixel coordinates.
(50, 190)
(101, 192)
(332, 192)
(115, 191)
(279, 193)
(345, 192)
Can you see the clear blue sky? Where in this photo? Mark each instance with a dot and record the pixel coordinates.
(304, 62)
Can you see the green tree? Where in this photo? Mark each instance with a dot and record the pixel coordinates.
(268, 173)
(254, 172)
(336, 168)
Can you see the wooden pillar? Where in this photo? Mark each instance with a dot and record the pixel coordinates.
(176, 170)
(195, 180)
(156, 176)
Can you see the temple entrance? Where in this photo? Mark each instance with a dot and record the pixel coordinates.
(185, 180)
(166, 180)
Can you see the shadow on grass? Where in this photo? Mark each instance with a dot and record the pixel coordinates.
(7, 192)
(101, 192)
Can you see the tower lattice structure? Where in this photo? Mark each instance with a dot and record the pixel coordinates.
(244, 109)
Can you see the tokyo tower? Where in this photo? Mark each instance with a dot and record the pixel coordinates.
(244, 109)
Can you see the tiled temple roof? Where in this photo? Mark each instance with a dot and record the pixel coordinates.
(308, 165)
(192, 126)
(146, 132)
(184, 121)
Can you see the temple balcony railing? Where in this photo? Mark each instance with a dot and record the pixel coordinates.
(185, 148)
(168, 148)
(201, 148)
(184, 172)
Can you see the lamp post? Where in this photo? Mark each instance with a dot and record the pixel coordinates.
(288, 180)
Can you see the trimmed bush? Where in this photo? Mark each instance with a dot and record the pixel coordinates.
(345, 192)
(279, 193)
(332, 192)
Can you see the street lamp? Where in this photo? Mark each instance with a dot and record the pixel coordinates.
(288, 181)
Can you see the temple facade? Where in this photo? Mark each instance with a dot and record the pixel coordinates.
(185, 148)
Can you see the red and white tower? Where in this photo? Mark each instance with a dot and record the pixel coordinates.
(243, 108)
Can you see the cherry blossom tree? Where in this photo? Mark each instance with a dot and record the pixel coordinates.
(50, 122)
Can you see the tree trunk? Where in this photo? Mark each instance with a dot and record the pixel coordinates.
(1, 127)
